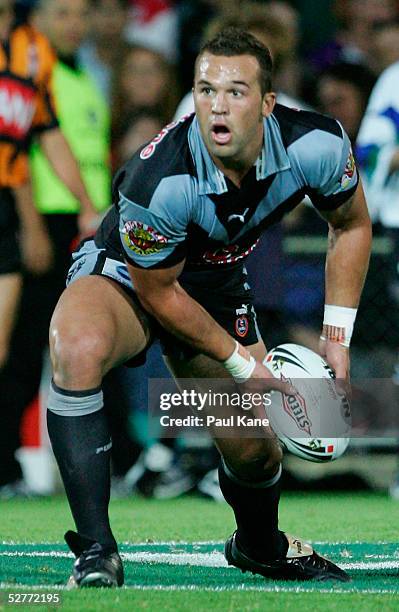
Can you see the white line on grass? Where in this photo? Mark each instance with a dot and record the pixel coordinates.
(195, 587)
(212, 559)
(201, 543)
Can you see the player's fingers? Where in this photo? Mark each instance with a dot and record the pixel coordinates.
(268, 381)
(322, 346)
(341, 369)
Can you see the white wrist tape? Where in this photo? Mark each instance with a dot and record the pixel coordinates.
(239, 366)
(338, 323)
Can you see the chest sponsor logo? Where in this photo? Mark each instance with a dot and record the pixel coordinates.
(228, 254)
(295, 407)
(17, 107)
(143, 239)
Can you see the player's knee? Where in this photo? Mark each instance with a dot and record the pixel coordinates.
(258, 460)
(79, 353)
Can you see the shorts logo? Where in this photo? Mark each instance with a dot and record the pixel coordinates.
(242, 326)
(295, 407)
(242, 323)
(349, 170)
(142, 239)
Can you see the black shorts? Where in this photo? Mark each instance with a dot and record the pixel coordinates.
(10, 260)
(225, 295)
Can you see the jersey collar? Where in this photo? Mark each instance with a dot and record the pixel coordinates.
(272, 159)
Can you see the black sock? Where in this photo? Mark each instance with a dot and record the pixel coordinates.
(256, 513)
(81, 445)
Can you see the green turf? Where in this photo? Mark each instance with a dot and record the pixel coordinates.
(331, 517)
(128, 601)
(323, 517)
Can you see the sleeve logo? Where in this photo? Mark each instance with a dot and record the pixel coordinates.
(142, 239)
(149, 149)
(349, 171)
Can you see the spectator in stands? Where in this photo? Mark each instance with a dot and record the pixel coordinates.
(385, 44)
(153, 24)
(291, 70)
(351, 43)
(27, 74)
(193, 19)
(378, 157)
(99, 53)
(143, 82)
(269, 27)
(84, 121)
(378, 148)
(343, 91)
(139, 128)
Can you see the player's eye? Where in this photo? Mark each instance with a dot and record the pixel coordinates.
(236, 93)
(206, 90)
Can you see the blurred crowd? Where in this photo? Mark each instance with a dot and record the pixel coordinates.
(124, 69)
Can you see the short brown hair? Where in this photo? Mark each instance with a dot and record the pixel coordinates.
(234, 41)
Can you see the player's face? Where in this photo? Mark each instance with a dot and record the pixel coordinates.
(230, 107)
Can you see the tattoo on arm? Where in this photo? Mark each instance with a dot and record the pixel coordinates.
(339, 217)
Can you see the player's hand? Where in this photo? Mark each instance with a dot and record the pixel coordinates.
(37, 251)
(263, 374)
(88, 222)
(337, 357)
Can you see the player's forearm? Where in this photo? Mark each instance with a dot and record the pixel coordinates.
(60, 156)
(29, 217)
(179, 314)
(347, 263)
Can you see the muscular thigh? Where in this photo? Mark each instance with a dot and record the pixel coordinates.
(235, 447)
(97, 307)
(201, 366)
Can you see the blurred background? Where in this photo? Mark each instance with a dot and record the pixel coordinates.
(129, 68)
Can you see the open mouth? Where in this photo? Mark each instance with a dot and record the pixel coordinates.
(221, 134)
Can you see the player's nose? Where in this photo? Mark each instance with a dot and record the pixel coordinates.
(219, 103)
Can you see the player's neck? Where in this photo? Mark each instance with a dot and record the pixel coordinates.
(238, 166)
(236, 169)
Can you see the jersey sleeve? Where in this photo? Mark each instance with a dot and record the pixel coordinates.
(155, 236)
(331, 172)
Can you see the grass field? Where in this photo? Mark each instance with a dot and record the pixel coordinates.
(174, 561)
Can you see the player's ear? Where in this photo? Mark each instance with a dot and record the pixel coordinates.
(268, 102)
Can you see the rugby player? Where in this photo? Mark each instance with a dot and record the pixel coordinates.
(168, 260)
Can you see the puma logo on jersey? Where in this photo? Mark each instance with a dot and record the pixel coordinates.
(239, 217)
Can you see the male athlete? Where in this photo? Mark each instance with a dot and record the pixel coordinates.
(189, 207)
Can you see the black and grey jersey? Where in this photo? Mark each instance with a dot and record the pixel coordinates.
(172, 203)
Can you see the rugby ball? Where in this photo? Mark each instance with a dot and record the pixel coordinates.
(315, 423)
